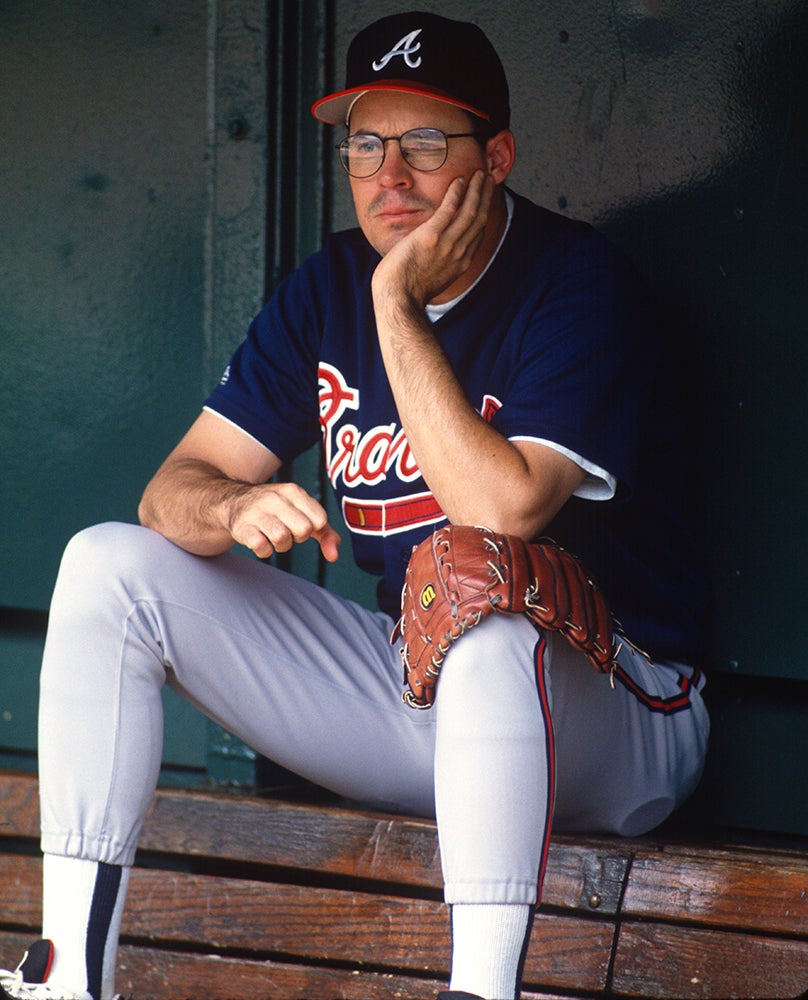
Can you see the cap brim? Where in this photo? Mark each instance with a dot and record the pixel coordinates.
(334, 109)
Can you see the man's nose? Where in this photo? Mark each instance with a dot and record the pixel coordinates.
(395, 170)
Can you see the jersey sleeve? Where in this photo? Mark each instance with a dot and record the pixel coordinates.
(586, 363)
(269, 388)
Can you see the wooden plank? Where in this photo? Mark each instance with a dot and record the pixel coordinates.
(343, 926)
(308, 923)
(19, 805)
(360, 844)
(587, 875)
(155, 974)
(318, 837)
(315, 925)
(21, 891)
(165, 976)
(568, 953)
(764, 892)
(151, 974)
(663, 962)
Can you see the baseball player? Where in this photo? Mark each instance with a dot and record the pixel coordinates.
(466, 358)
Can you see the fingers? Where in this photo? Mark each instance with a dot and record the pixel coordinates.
(329, 541)
(273, 517)
(461, 218)
(466, 205)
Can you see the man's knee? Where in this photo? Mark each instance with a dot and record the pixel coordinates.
(106, 555)
(498, 640)
(492, 667)
(111, 544)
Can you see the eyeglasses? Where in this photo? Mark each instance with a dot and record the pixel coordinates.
(363, 154)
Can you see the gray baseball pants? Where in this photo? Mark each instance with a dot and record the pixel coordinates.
(523, 732)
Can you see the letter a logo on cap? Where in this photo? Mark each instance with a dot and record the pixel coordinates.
(406, 47)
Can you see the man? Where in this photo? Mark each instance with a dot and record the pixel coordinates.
(465, 356)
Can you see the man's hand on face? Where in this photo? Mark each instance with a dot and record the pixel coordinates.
(435, 254)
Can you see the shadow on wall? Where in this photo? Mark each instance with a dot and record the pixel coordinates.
(725, 259)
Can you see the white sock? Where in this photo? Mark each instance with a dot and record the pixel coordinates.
(70, 888)
(487, 943)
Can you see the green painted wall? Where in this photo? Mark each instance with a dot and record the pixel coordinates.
(134, 193)
(102, 181)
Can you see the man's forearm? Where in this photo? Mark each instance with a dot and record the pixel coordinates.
(191, 502)
(200, 508)
(477, 476)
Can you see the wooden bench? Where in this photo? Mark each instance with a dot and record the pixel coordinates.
(245, 897)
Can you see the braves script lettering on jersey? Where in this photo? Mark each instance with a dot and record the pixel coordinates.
(563, 357)
(356, 457)
(351, 455)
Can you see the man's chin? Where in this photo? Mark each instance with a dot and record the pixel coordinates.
(385, 246)
(383, 242)
(384, 234)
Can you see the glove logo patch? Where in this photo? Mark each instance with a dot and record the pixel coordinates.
(428, 596)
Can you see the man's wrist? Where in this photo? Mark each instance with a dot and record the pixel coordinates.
(226, 502)
(397, 310)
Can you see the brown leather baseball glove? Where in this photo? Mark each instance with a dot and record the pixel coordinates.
(461, 574)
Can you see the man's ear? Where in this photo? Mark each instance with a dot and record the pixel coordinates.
(500, 151)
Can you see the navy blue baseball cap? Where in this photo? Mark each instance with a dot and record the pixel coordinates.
(426, 54)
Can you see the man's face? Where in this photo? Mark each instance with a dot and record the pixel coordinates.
(397, 198)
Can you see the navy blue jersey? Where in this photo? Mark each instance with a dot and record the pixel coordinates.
(551, 345)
